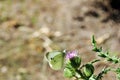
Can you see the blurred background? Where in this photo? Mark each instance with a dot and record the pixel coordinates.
(30, 28)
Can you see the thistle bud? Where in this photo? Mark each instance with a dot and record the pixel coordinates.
(75, 62)
(88, 70)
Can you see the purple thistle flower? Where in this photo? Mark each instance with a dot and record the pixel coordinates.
(71, 54)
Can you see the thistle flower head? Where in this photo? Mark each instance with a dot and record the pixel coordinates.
(71, 54)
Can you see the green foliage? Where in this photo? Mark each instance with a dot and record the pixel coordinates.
(95, 48)
(69, 72)
(71, 66)
(118, 73)
(102, 54)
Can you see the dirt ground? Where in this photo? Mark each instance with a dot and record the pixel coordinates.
(30, 28)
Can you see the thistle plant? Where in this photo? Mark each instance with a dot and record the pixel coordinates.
(73, 67)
